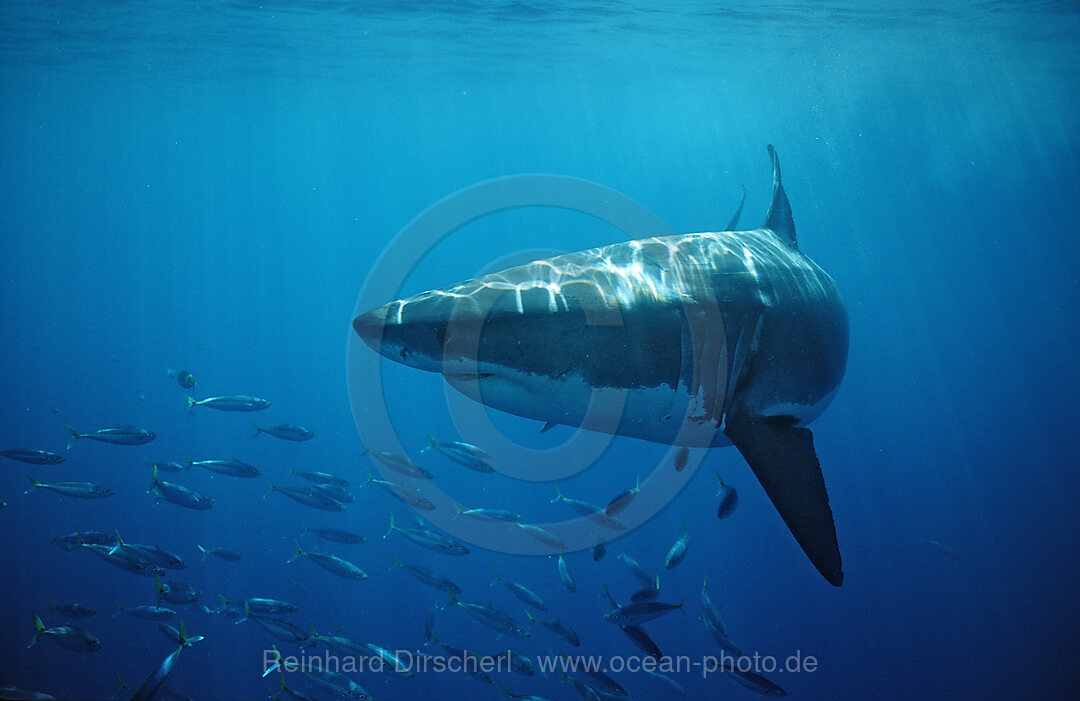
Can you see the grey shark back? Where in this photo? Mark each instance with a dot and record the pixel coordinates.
(715, 338)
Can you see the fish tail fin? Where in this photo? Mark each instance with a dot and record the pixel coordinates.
(191, 402)
(203, 550)
(50, 605)
(431, 442)
(278, 659)
(257, 431)
(33, 482)
(75, 435)
(299, 553)
(558, 495)
(529, 616)
(247, 610)
(497, 578)
(117, 605)
(160, 587)
(364, 446)
(224, 601)
(183, 636)
(39, 628)
(273, 488)
(392, 527)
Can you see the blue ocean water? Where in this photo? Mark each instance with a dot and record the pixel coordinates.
(206, 186)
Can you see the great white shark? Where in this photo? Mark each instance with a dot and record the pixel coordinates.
(706, 339)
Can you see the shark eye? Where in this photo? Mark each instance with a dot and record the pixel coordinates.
(440, 334)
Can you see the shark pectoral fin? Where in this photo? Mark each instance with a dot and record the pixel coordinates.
(783, 459)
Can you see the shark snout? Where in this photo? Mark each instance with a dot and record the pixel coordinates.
(369, 326)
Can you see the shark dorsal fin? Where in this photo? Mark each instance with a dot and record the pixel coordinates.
(778, 219)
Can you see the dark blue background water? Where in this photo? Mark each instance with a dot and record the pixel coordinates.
(206, 186)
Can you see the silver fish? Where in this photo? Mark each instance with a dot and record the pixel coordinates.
(286, 432)
(34, 457)
(179, 494)
(429, 577)
(151, 688)
(590, 511)
(168, 466)
(273, 607)
(334, 491)
(309, 497)
(177, 592)
(149, 613)
(465, 454)
(222, 553)
(336, 535)
(409, 495)
(321, 478)
(543, 535)
(622, 500)
(80, 490)
(72, 610)
(282, 630)
(400, 463)
(491, 617)
(639, 571)
(231, 402)
(564, 575)
(678, 550)
(728, 497)
(429, 539)
(522, 592)
(117, 435)
(229, 467)
(639, 612)
(559, 628)
(67, 637)
(331, 563)
(483, 514)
